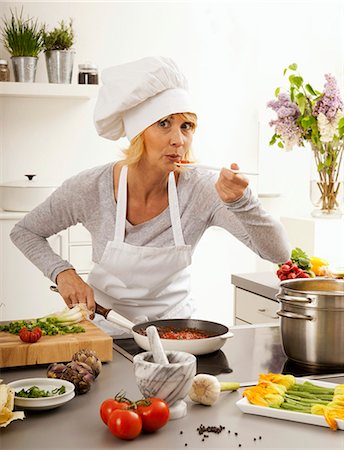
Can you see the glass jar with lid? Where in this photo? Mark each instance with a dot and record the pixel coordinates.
(4, 70)
(88, 74)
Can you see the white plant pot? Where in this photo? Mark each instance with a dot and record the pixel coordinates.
(23, 195)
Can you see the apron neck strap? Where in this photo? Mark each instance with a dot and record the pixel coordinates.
(121, 210)
(174, 210)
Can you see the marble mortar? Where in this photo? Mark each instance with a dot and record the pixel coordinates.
(171, 382)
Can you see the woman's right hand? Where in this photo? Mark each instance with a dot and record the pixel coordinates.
(74, 290)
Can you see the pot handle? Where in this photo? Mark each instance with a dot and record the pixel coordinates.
(225, 336)
(291, 298)
(291, 315)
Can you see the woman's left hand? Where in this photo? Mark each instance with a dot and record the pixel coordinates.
(231, 186)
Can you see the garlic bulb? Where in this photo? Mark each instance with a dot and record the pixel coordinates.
(206, 389)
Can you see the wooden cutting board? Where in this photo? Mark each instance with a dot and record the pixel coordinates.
(59, 348)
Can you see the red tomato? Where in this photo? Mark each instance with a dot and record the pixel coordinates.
(109, 405)
(29, 336)
(125, 424)
(154, 413)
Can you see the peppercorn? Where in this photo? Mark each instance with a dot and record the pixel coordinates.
(236, 434)
(180, 432)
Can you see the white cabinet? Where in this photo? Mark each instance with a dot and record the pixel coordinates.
(253, 308)
(80, 249)
(24, 290)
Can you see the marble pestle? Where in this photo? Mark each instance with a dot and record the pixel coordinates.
(159, 354)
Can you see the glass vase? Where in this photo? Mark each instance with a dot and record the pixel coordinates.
(327, 181)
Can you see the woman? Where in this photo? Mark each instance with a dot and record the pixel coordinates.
(145, 214)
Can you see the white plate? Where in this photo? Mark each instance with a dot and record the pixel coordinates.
(48, 384)
(312, 419)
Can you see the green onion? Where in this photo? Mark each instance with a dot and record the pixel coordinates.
(63, 322)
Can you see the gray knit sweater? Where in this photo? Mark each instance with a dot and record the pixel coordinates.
(88, 198)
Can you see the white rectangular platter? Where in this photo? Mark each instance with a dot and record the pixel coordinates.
(245, 406)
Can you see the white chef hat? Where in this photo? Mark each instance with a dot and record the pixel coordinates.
(137, 94)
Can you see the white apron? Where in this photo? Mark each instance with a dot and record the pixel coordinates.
(143, 283)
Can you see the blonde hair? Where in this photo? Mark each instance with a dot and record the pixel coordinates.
(137, 148)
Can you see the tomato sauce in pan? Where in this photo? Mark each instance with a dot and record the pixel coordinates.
(182, 333)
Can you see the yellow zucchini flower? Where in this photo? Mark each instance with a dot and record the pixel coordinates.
(339, 390)
(265, 393)
(285, 380)
(331, 413)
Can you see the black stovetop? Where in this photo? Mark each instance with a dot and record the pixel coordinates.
(251, 351)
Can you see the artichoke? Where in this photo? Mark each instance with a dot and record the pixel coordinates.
(90, 358)
(80, 374)
(55, 370)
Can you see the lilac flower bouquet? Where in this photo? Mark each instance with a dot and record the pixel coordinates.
(305, 115)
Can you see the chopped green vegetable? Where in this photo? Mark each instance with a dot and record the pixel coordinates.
(62, 322)
(49, 327)
(35, 392)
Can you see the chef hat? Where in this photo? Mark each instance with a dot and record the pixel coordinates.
(137, 94)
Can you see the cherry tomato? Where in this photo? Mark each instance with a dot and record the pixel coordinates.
(109, 405)
(125, 424)
(30, 336)
(154, 413)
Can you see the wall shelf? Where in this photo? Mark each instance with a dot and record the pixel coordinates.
(48, 90)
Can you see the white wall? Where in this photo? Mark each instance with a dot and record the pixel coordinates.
(233, 54)
(311, 34)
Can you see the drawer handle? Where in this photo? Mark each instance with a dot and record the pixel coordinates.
(263, 310)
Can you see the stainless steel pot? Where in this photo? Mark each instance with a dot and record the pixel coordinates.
(312, 320)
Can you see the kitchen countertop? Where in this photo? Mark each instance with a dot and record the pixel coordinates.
(77, 424)
(265, 284)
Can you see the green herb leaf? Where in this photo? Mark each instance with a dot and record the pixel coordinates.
(292, 93)
(293, 66)
(297, 80)
(300, 258)
(35, 392)
(22, 37)
(277, 91)
(273, 139)
(309, 88)
(60, 38)
(301, 102)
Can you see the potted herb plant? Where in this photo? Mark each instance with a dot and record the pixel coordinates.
(23, 40)
(59, 54)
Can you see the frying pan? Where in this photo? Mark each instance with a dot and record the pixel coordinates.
(218, 333)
